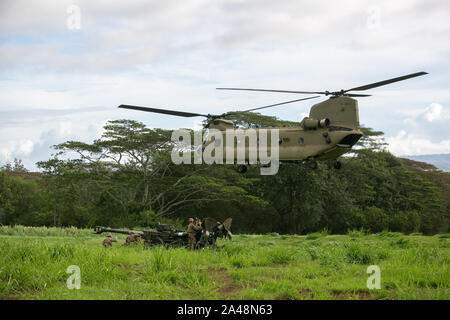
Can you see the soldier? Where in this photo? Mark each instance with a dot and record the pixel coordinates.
(107, 242)
(132, 238)
(192, 232)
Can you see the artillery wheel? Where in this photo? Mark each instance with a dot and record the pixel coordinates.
(212, 243)
(158, 242)
(337, 165)
(199, 245)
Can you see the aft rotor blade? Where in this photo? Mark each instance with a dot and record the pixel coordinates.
(277, 104)
(384, 82)
(270, 90)
(164, 111)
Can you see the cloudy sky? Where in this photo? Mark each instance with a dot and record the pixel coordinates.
(65, 66)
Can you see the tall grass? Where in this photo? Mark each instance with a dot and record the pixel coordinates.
(364, 254)
(317, 235)
(33, 265)
(19, 230)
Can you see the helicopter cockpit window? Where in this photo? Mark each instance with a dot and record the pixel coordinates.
(301, 141)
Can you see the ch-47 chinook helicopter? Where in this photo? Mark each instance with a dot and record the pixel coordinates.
(331, 129)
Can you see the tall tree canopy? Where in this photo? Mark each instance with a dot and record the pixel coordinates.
(126, 179)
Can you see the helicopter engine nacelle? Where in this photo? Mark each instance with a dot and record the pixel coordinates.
(312, 124)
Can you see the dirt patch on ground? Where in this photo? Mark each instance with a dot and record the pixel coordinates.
(356, 294)
(224, 283)
(229, 288)
(307, 293)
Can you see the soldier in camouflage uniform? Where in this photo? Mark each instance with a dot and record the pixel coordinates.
(107, 242)
(132, 238)
(192, 232)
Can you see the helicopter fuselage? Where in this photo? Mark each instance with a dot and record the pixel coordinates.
(331, 130)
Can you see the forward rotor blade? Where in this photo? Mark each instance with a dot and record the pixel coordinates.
(269, 90)
(384, 82)
(163, 111)
(357, 95)
(276, 104)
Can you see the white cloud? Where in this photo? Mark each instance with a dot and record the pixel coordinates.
(303, 115)
(25, 147)
(65, 128)
(425, 131)
(15, 148)
(409, 144)
(57, 84)
(434, 111)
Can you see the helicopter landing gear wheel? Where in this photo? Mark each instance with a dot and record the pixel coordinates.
(313, 164)
(242, 168)
(337, 165)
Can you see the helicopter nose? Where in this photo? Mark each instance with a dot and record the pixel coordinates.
(350, 139)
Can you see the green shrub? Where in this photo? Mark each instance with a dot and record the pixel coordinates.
(357, 233)
(356, 253)
(313, 252)
(401, 242)
(239, 261)
(326, 256)
(313, 236)
(273, 234)
(389, 234)
(280, 255)
(231, 249)
(160, 260)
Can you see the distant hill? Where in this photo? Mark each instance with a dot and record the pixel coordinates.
(440, 161)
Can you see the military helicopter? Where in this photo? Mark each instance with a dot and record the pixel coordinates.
(331, 129)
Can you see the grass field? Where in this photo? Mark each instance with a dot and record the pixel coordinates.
(33, 263)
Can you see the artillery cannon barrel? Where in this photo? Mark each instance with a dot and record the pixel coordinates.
(100, 229)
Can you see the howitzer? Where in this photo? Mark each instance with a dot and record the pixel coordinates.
(168, 236)
(163, 235)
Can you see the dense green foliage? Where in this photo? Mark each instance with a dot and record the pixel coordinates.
(126, 179)
(33, 264)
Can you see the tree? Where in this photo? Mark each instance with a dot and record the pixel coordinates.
(16, 166)
(130, 165)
